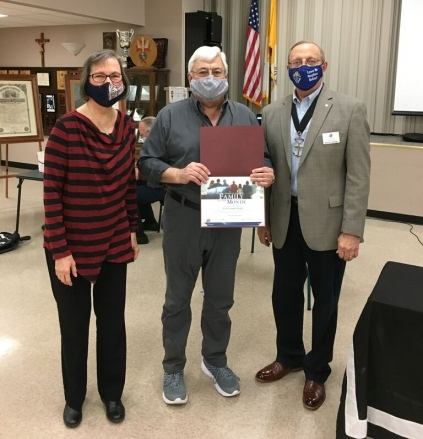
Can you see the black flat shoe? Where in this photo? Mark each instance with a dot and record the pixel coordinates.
(154, 227)
(72, 418)
(115, 411)
(142, 239)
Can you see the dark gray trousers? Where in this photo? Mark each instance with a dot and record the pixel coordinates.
(186, 248)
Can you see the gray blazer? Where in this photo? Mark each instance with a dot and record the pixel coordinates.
(333, 179)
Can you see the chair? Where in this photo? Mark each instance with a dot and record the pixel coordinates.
(308, 276)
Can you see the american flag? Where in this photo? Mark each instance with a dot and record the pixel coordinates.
(252, 76)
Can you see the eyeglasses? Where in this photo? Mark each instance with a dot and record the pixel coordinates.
(202, 73)
(300, 62)
(101, 77)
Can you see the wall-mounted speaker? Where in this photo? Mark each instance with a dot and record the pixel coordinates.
(201, 29)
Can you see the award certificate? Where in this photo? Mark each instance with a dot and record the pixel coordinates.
(230, 198)
(232, 202)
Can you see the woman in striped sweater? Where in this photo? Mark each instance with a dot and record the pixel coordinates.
(90, 231)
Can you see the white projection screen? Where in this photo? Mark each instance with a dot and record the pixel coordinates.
(409, 76)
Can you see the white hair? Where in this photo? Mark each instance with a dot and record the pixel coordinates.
(207, 53)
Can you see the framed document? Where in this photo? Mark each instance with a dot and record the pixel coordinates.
(60, 74)
(43, 79)
(175, 94)
(20, 115)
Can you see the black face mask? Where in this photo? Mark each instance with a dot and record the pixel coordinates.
(105, 94)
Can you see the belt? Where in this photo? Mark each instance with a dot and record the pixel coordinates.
(181, 199)
(294, 200)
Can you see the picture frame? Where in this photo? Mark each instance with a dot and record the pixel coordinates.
(161, 44)
(110, 40)
(43, 79)
(62, 99)
(24, 72)
(50, 104)
(145, 92)
(21, 121)
(72, 96)
(3, 72)
(60, 77)
(13, 72)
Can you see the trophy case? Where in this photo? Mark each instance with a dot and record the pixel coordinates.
(147, 94)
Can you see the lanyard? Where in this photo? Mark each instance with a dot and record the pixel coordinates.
(301, 126)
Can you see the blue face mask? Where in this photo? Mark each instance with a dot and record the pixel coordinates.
(305, 77)
(105, 94)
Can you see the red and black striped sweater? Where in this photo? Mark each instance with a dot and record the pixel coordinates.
(89, 192)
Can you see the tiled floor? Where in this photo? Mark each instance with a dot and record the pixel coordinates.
(31, 396)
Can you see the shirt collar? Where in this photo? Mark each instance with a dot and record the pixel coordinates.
(199, 105)
(310, 97)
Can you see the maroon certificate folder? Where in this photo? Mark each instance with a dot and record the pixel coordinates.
(232, 150)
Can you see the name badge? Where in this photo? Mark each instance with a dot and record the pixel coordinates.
(329, 138)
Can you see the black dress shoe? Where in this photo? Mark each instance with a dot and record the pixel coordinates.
(115, 411)
(72, 418)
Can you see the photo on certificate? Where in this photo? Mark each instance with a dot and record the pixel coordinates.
(232, 202)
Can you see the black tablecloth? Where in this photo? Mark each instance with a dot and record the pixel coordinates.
(382, 392)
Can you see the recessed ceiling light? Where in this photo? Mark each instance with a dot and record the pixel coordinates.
(2, 16)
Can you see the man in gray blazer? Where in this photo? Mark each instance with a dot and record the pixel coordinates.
(319, 145)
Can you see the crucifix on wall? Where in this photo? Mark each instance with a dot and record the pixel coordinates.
(41, 41)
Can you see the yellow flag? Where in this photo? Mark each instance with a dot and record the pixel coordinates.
(272, 51)
(270, 68)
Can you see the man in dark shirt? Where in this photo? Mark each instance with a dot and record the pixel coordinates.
(171, 156)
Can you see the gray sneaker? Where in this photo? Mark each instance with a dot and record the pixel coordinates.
(225, 381)
(174, 391)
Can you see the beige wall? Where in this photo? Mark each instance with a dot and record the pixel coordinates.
(129, 11)
(24, 52)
